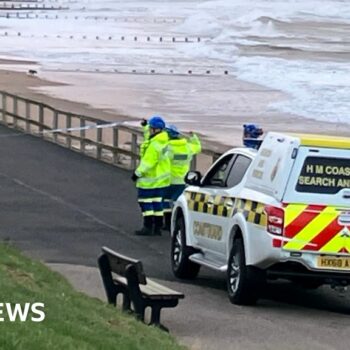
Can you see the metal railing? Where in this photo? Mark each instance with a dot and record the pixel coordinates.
(117, 145)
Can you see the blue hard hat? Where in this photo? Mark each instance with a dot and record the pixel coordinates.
(172, 130)
(156, 122)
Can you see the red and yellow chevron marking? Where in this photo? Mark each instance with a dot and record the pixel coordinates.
(315, 228)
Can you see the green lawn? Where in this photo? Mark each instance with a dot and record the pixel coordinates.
(73, 320)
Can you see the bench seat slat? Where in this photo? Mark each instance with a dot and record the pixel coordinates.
(158, 288)
(153, 289)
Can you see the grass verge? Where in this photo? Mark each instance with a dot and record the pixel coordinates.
(72, 320)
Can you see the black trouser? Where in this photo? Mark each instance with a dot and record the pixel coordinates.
(153, 221)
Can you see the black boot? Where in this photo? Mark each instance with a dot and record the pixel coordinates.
(167, 221)
(147, 229)
(158, 224)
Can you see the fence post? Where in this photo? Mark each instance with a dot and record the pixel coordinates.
(194, 162)
(55, 125)
(41, 118)
(115, 144)
(68, 126)
(99, 144)
(4, 108)
(27, 117)
(15, 110)
(82, 135)
(133, 150)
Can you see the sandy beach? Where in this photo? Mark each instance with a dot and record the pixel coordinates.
(116, 97)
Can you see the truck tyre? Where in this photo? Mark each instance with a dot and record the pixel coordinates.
(243, 282)
(181, 265)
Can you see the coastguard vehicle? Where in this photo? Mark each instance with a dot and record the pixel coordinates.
(282, 211)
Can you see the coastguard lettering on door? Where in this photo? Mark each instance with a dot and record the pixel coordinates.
(328, 175)
(207, 230)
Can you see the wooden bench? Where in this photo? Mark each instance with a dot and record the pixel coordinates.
(123, 275)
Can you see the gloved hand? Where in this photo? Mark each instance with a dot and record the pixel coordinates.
(144, 122)
(134, 177)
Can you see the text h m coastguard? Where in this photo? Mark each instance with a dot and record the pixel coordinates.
(152, 177)
(180, 152)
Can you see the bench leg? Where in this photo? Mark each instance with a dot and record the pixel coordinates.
(107, 280)
(126, 303)
(155, 318)
(155, 315)
(140, 312)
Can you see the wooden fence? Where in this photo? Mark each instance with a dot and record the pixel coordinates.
(117, 145)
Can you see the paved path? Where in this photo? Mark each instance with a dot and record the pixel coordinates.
(61, 207)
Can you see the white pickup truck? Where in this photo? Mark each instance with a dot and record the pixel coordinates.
(282, 211)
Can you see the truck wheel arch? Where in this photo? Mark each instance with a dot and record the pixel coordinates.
(181, 212)
(238, 231)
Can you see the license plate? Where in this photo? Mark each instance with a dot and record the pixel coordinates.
(333, 263)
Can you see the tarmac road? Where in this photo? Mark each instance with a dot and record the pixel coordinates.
(61, 207)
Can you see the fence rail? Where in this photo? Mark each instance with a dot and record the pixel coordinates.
(118, 145)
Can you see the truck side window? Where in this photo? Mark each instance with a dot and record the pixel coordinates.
(238, 169)
(218, 174)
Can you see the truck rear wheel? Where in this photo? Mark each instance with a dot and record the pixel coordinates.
(181, 265)
(243, 282)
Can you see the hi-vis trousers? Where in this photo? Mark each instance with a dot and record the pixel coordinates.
(171, 194)
(151, 201)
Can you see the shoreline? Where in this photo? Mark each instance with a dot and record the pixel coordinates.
(74, 94)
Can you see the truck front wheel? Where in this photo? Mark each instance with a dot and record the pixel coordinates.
(181, 265)
(243, 282)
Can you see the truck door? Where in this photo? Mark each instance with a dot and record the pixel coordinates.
(217, 200)
(207, 207)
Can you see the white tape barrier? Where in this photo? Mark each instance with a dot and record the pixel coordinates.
(87, 127)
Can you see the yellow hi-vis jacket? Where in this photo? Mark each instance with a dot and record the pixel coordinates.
(154, 168)
(180, 153)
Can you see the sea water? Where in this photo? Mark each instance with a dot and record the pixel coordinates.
(299, 47)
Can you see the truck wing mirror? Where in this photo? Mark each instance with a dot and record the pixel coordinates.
(193, 178)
